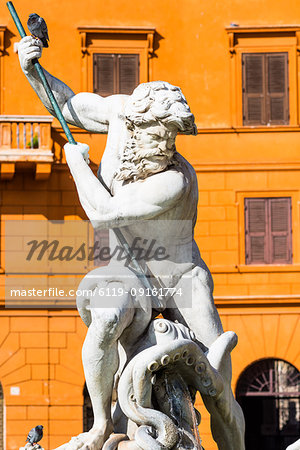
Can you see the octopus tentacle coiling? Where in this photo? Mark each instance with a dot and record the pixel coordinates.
(172, 348)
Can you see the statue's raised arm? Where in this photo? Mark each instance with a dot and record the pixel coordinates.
(89, 111)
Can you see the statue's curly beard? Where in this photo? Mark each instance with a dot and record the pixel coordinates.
(137, 163)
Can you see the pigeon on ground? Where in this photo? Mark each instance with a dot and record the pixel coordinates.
(38, 28)
(35, 435)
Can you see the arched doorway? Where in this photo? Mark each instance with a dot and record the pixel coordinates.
(269, 394)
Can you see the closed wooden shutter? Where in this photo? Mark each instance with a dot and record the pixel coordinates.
(265, 89)
(104, 74)
(128, 73)
(277, 91)
(115, 74)
(268, 230)
(256, 229)
(280, 230)
(253, 88)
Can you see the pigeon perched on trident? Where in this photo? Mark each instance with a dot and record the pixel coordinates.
(38, 28)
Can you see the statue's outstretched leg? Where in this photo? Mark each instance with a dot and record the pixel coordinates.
(101, 360)
(126, 319)
(227, 420)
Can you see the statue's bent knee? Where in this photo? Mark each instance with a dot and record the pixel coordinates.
(203, 276)
(108, 324)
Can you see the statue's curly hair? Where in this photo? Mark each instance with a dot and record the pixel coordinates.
(159, 101)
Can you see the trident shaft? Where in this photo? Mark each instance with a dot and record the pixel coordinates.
(40, 73)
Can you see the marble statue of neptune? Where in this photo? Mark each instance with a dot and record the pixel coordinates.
(143, 187)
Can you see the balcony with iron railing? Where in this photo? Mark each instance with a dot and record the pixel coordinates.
(25, 139)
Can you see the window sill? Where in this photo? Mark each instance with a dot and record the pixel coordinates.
(243, 268)
(250, 129)
(225, 301)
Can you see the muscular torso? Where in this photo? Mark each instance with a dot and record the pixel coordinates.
(173, 228)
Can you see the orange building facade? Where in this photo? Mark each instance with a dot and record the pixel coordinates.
(238, 66)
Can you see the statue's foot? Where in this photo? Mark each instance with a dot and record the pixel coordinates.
(92, 440)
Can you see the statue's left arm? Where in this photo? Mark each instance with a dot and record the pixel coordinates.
(129, 204)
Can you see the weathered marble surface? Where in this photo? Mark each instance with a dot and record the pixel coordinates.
(168, 365)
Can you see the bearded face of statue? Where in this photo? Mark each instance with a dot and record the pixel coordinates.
(149, 149)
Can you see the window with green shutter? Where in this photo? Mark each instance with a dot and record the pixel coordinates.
(115, 73)
(265, 89)
(268, 230)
